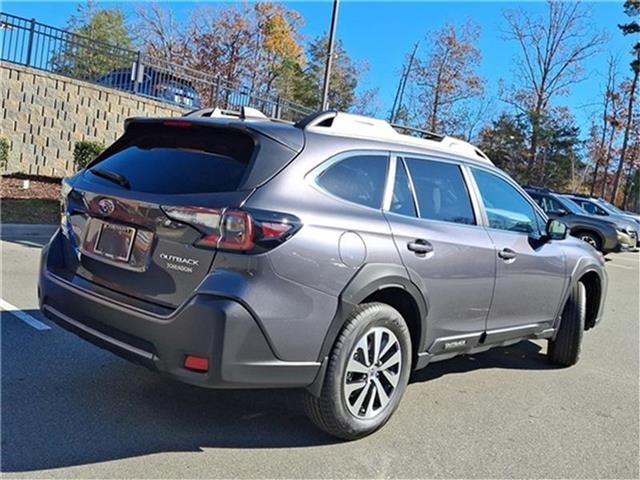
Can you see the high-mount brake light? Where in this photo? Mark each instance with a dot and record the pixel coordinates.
(235, 229)
(177, 123)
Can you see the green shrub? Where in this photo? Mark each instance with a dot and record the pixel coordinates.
(5, 146)
(85, 152)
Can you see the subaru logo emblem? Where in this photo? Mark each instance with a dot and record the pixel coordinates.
(106, 206)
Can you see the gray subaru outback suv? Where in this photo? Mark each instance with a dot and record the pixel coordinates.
(334, 255)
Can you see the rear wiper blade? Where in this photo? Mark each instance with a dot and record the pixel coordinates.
(112, 177)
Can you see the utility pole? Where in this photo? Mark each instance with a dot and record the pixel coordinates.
(397, 103)
(327, 70)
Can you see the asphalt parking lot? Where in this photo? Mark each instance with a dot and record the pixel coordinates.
(71, 410)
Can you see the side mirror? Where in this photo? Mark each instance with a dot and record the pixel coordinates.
(556, 230)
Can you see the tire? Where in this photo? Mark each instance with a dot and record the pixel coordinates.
(591, 238)
(364, 410)
(564, 350)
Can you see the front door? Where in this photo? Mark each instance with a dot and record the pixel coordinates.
(530, 272)
(445, 250)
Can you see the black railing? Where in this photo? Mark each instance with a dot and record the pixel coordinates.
(33, 44)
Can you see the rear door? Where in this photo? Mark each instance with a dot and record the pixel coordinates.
(530, 273)
(135, 221)
(445, 250)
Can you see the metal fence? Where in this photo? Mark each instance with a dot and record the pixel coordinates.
(33, 44)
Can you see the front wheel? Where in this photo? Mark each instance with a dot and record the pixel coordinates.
(367, 373)
(564, 350)
(592, 239)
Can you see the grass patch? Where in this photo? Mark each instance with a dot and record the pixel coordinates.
(29, 210)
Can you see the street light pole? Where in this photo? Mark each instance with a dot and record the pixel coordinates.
(327, 70)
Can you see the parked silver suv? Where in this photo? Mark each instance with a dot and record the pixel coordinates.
(337, 255)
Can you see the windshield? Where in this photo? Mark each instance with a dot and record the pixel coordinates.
(571, 206)
(610, 208)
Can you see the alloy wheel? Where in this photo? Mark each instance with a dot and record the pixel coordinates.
(372, 372)
(590, 240)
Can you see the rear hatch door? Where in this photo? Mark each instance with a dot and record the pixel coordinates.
(117, 233)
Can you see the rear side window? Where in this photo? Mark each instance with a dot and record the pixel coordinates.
(176, 160)
(359, 179)
(441, 191)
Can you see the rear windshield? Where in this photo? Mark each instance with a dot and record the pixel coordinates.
(176, 160)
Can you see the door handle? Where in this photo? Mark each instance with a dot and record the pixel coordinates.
(507, 254)
(420, 246)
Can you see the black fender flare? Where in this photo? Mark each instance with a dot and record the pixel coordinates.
(583, 266)
(370, 278)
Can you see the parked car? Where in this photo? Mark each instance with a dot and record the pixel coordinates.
(156, 84)
(604, 235)
(335, 255)
(603, 208)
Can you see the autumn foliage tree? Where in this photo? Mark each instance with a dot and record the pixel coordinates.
(446, 77)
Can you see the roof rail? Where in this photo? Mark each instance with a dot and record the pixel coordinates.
(340, 123)
(537, 189)
(581, 195)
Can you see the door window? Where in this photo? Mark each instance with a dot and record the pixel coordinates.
(441, 191)
(592, 208)
(551, 205)
(506, 207)
(359, 179)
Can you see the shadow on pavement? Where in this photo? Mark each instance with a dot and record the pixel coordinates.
(67, 403)
(35, 236)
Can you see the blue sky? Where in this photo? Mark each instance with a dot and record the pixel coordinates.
(382, 33)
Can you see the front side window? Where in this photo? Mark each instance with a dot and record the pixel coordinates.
(441, 191)
(359, 179)
(506, 207)
(593, 209)
(553, 206)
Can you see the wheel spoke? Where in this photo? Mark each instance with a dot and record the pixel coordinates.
(355, 366)
(392, 378)
(377, 342)
(357, 405)
(352, 387)
(391, 361)
(364, 350)
(382, 395)
(372, 399)
(387, 347)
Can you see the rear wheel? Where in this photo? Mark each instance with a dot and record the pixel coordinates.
(367, 373)
(564, 350)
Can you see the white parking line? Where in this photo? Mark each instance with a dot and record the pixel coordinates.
(25, 317)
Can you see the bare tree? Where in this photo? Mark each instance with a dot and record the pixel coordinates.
(552, 51)
(446, 76)
(162, 35)
(601, 148)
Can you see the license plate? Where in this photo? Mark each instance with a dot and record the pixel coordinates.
(115, 242)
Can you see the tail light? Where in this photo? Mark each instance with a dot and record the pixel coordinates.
(251, 231)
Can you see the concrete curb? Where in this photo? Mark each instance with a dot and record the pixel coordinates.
(22, 230)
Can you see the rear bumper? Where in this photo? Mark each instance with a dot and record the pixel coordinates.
(211, 326)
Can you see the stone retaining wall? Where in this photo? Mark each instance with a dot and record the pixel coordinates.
(43, 115)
